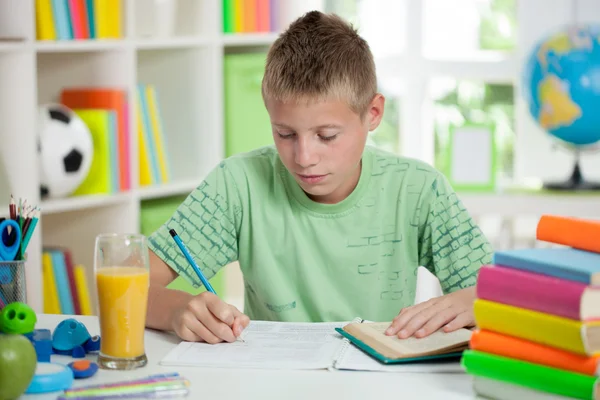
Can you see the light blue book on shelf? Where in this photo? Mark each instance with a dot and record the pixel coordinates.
(114, 155)
(565, 263)
(62, 282)
(152, 154)
(62, 19)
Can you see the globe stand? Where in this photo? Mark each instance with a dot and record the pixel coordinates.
(575, 182)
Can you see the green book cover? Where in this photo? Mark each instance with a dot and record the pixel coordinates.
(534, 376)
(228, 16)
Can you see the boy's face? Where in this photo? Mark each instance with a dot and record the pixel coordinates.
(321, 144)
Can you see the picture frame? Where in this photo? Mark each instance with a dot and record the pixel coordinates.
(471, 157)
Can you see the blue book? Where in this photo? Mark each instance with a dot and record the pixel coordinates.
(564, 263)
(62, 19)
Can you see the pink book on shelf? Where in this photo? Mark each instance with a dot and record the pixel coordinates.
(543, 293)
(78, 14)
(263, 18)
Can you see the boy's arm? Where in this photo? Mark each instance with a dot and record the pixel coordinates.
(453, 248)
(207, 222)
(451, 245)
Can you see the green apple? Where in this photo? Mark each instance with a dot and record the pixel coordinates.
(18, 362)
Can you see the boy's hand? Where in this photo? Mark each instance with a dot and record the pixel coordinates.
(452, 311)
(206, 318)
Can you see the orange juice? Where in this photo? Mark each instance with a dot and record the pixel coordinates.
(122, 301)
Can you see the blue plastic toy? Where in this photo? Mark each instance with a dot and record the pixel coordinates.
(72, 338)
(50, 377)
(83, 368)
(42, 343)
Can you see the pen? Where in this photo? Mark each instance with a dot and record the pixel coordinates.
(188, 256)
(191, 261)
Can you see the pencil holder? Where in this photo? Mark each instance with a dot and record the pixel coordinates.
(12, 282)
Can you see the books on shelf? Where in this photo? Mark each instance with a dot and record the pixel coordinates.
(78, 19)
(254, 16)
(538, 318)
(105, 111)
(154, 165)
(65, 286)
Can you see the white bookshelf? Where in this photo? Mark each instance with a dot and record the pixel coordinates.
(186, 70)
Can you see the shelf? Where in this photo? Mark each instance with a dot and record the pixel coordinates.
(249, 39)
(171, 43)
(515, 204)
(169, 189)
(55, 206)
(79, 45)
(12, 45)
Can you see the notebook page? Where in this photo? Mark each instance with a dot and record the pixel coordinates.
(413, 345)
(268, 345)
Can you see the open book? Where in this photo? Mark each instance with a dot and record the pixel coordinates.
(284, 345)
(370, 337)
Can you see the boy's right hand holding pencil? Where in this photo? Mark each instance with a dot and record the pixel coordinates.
(207, 318)
(201, 318)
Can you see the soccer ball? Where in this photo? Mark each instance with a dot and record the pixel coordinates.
(65, 148)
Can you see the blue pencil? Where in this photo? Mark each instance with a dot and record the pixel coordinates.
(188, 256)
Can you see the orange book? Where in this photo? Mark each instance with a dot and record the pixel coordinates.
(250, 16)
(578, 233)
(520, 349)
(110, 99)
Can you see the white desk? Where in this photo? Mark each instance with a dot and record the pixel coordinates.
(219, 384)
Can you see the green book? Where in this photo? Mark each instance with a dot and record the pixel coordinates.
(228, 16)
(535, 376)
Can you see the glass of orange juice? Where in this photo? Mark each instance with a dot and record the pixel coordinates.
(122, 274)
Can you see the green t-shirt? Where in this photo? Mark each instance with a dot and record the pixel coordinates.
(308, 261)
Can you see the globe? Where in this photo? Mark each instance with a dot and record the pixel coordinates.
(561, 86)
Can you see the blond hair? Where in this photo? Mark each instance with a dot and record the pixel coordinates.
(320, 57)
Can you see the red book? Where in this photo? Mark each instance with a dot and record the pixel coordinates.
(543, 293)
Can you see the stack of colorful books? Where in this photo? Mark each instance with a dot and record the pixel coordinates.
(538, 317)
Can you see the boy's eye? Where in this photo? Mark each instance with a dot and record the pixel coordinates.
(285, 135)
(328, 138)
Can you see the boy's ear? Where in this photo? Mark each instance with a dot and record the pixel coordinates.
(375, 111)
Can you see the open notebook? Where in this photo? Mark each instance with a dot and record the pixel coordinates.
(284, 345)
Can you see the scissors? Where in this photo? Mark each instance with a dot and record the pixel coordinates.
(9, 243)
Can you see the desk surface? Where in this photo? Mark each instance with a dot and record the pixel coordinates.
(219, 384)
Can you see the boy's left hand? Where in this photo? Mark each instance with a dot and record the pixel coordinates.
(452, 311)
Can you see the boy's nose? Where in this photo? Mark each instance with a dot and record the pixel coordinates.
(305, 154)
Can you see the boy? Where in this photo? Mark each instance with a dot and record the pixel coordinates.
(324, 228)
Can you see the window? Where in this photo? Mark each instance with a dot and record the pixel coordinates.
(463, 29)
(459, 102)
(464, 69)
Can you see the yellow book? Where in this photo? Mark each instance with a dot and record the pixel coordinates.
(99, 177)
(550, 330)
(238, 16)
(83, 291)
(114, 22)
(51, 303)
(44, 20)
(145, 169)
(157, 132)
(102, 18)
